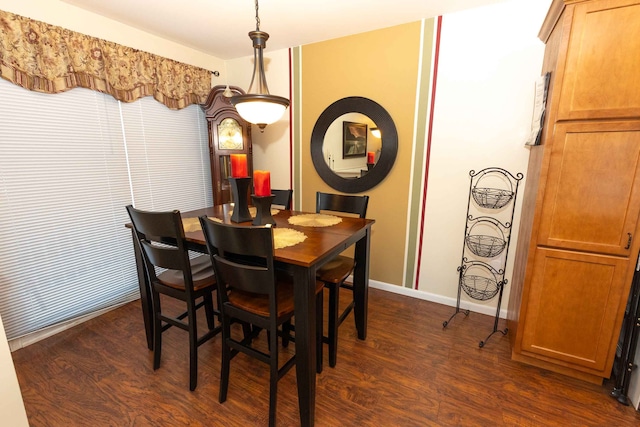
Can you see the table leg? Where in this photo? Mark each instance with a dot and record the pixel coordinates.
(145, 292)
(361, 284)
(305, 315)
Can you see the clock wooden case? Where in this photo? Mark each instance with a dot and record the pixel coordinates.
(228, 134)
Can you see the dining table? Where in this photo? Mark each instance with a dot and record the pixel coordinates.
(318, 239)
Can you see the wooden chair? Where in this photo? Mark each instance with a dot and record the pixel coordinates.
(282, 198)
(170, 271)
(252, 292)
(334, 273)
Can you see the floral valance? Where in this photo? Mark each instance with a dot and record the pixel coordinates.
(50, 59)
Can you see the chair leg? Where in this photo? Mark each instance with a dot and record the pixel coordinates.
(193, 346)
(286, 333)
(157, 331)
(247, 330)
(273, 377)
(334, 300)
(226, 360)
(319, 326)
(209, 310)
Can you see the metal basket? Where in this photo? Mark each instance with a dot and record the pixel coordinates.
(479, 287)
(492, 198)
(485, 246)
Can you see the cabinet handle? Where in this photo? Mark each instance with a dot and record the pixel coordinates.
(628, 241)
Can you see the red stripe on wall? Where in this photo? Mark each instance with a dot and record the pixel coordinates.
(290, 120)
(429, 135)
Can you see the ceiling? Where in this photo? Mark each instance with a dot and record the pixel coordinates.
(220, 27)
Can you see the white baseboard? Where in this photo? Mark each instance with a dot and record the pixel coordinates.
(464, 305)
(33, 337)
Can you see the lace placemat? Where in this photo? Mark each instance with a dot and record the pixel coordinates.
(315, 220)
(283, 237)
(193, 224)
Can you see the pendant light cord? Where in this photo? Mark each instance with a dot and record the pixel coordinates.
(258, 106)
(257, 18)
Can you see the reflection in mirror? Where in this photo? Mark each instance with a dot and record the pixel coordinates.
(339, 160)
(349, 161)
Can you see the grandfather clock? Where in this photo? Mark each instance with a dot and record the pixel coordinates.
(228, 134)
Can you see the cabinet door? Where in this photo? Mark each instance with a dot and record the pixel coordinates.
(573, 307)
(602, 63)
(592, 196)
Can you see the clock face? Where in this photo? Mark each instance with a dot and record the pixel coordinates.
(230, 135)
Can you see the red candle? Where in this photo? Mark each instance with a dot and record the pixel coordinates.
(371, 157)
(239, 165)
(262, 183)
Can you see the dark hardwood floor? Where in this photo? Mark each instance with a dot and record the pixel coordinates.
(409, 372)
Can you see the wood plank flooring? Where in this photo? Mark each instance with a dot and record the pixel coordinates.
(409, 372)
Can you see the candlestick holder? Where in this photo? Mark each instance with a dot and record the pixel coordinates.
(240, 190)
(370, 166)
(263, 210)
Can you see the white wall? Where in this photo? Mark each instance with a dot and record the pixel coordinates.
(489, 60)
(11, 404)
(64, 15)
(271, 148)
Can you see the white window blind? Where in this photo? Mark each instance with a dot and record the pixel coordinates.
(65, 179)
(168, 156)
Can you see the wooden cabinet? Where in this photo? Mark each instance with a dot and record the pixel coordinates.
(573, 300)
(579, 234)
(228, 134)
(592, 198)
(601, 72)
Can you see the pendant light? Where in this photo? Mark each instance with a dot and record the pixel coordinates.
(258, 106)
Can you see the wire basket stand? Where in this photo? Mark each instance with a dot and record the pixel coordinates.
(486, 239)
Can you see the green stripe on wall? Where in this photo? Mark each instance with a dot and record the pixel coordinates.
(419, 154)
(296, 125)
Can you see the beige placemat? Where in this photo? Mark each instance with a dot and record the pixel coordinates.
(315, 220)
(193, 224)
(283, 237)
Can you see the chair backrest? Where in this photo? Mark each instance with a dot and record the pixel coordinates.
(160, 238)
(242, 258)
(282, 198)
(356, 205)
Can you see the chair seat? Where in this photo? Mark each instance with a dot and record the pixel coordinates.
(201, 270)
(336, 270)
(259, 304)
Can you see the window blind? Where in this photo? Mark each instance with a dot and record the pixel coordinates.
(168, 156)
(69, 164)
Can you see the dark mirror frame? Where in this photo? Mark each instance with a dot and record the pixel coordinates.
(388, 153)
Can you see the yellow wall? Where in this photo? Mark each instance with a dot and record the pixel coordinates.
(381, 65)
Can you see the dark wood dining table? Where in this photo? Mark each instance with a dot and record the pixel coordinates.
(301, 260)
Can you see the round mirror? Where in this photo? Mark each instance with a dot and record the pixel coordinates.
(347, 155)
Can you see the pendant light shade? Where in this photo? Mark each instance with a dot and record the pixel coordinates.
(261, 110)
(258, 106)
